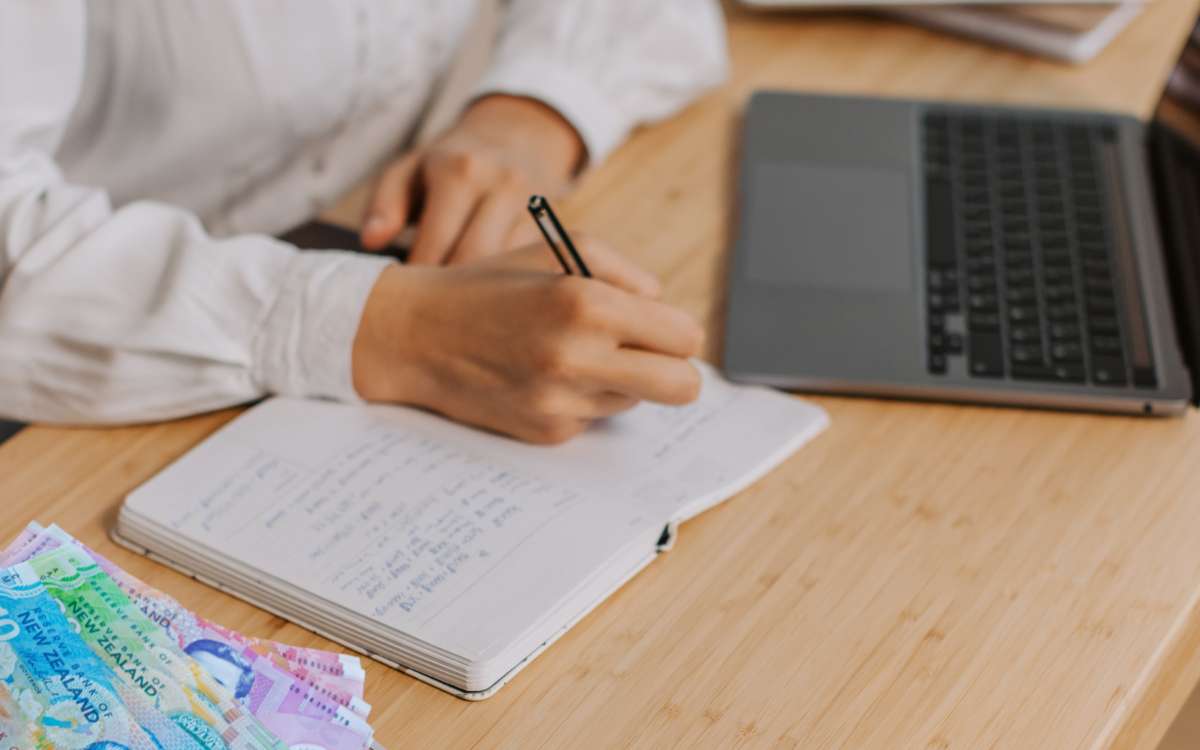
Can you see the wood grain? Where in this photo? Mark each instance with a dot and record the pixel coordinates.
(922, 576)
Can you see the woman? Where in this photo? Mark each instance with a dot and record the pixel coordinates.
(147, 148)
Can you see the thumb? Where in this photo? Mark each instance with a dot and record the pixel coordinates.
(391, 204)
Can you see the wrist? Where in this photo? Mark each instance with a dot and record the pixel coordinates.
(386, 356)
(537, 134)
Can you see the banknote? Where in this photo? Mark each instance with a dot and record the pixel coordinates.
(240, 693)
(22, 548)
(275, 701)
(66, 696)
(243, 665)
(328, 662)
(130, 644)
(337, 679)
(246, 657)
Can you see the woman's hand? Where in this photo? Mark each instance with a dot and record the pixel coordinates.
(511, 345)
(467, 190)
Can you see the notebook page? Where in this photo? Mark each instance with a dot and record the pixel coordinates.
(456, 537)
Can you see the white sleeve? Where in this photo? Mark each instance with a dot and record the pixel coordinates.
(609, 65)
(135, 314)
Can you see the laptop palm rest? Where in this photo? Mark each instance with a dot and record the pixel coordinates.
(831, 226)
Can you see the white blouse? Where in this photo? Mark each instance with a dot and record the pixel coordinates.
(147, 148)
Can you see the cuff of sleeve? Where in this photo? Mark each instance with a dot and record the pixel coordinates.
(305, 344)
(597, 120)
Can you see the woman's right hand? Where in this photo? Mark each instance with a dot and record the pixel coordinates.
(512, 345)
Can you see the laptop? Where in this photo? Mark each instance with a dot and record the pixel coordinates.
(1002, 255)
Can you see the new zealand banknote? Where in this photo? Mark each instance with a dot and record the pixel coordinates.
(286, 710)
(136, 649)
(295, 709)
(338, 678)
(65, 695)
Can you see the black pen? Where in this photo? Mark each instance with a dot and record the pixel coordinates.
(543, 215)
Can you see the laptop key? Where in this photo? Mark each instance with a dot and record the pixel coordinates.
(1066, 352)
(939, 214)
(1022, 275)
(1060, 293)
(1021, 295)
(1059, 373)
(987, 354)
(982, 264)
(1108, 371)
(1024, 334)
(1019, 315)
(1064, 331)
(982, 302)
(989, 321)
(1024, 354)
(1058, 275)
(1063, 313)
(981, 284)
(1106, 345)
(1069, 373)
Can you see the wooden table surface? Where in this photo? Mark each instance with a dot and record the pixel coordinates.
(922, 576)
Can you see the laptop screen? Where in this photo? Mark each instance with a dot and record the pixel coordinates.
(1180, 106)
(1175, 146)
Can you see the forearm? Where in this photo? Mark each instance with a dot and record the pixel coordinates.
(137, 314)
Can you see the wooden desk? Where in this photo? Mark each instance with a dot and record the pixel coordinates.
(926, 577)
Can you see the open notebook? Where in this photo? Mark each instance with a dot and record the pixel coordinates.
(451, 554)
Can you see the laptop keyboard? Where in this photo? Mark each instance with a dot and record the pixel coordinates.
(1020, 257)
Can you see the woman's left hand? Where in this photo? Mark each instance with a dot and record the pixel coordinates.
(466, 192)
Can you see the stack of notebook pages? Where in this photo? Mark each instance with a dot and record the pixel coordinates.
(448, 553)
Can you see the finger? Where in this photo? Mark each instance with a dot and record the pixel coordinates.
(610, 404)
(523, 233)
(449, 204)
(654, 326)
(550, 431)
(503, 417)
(611, 267)
(391, 204)
(491, 223)
(591, 406)
(648, 376)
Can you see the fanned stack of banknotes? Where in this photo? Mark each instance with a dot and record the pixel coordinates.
(91, 658)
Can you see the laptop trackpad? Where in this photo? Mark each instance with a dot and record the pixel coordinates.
(830, 227)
